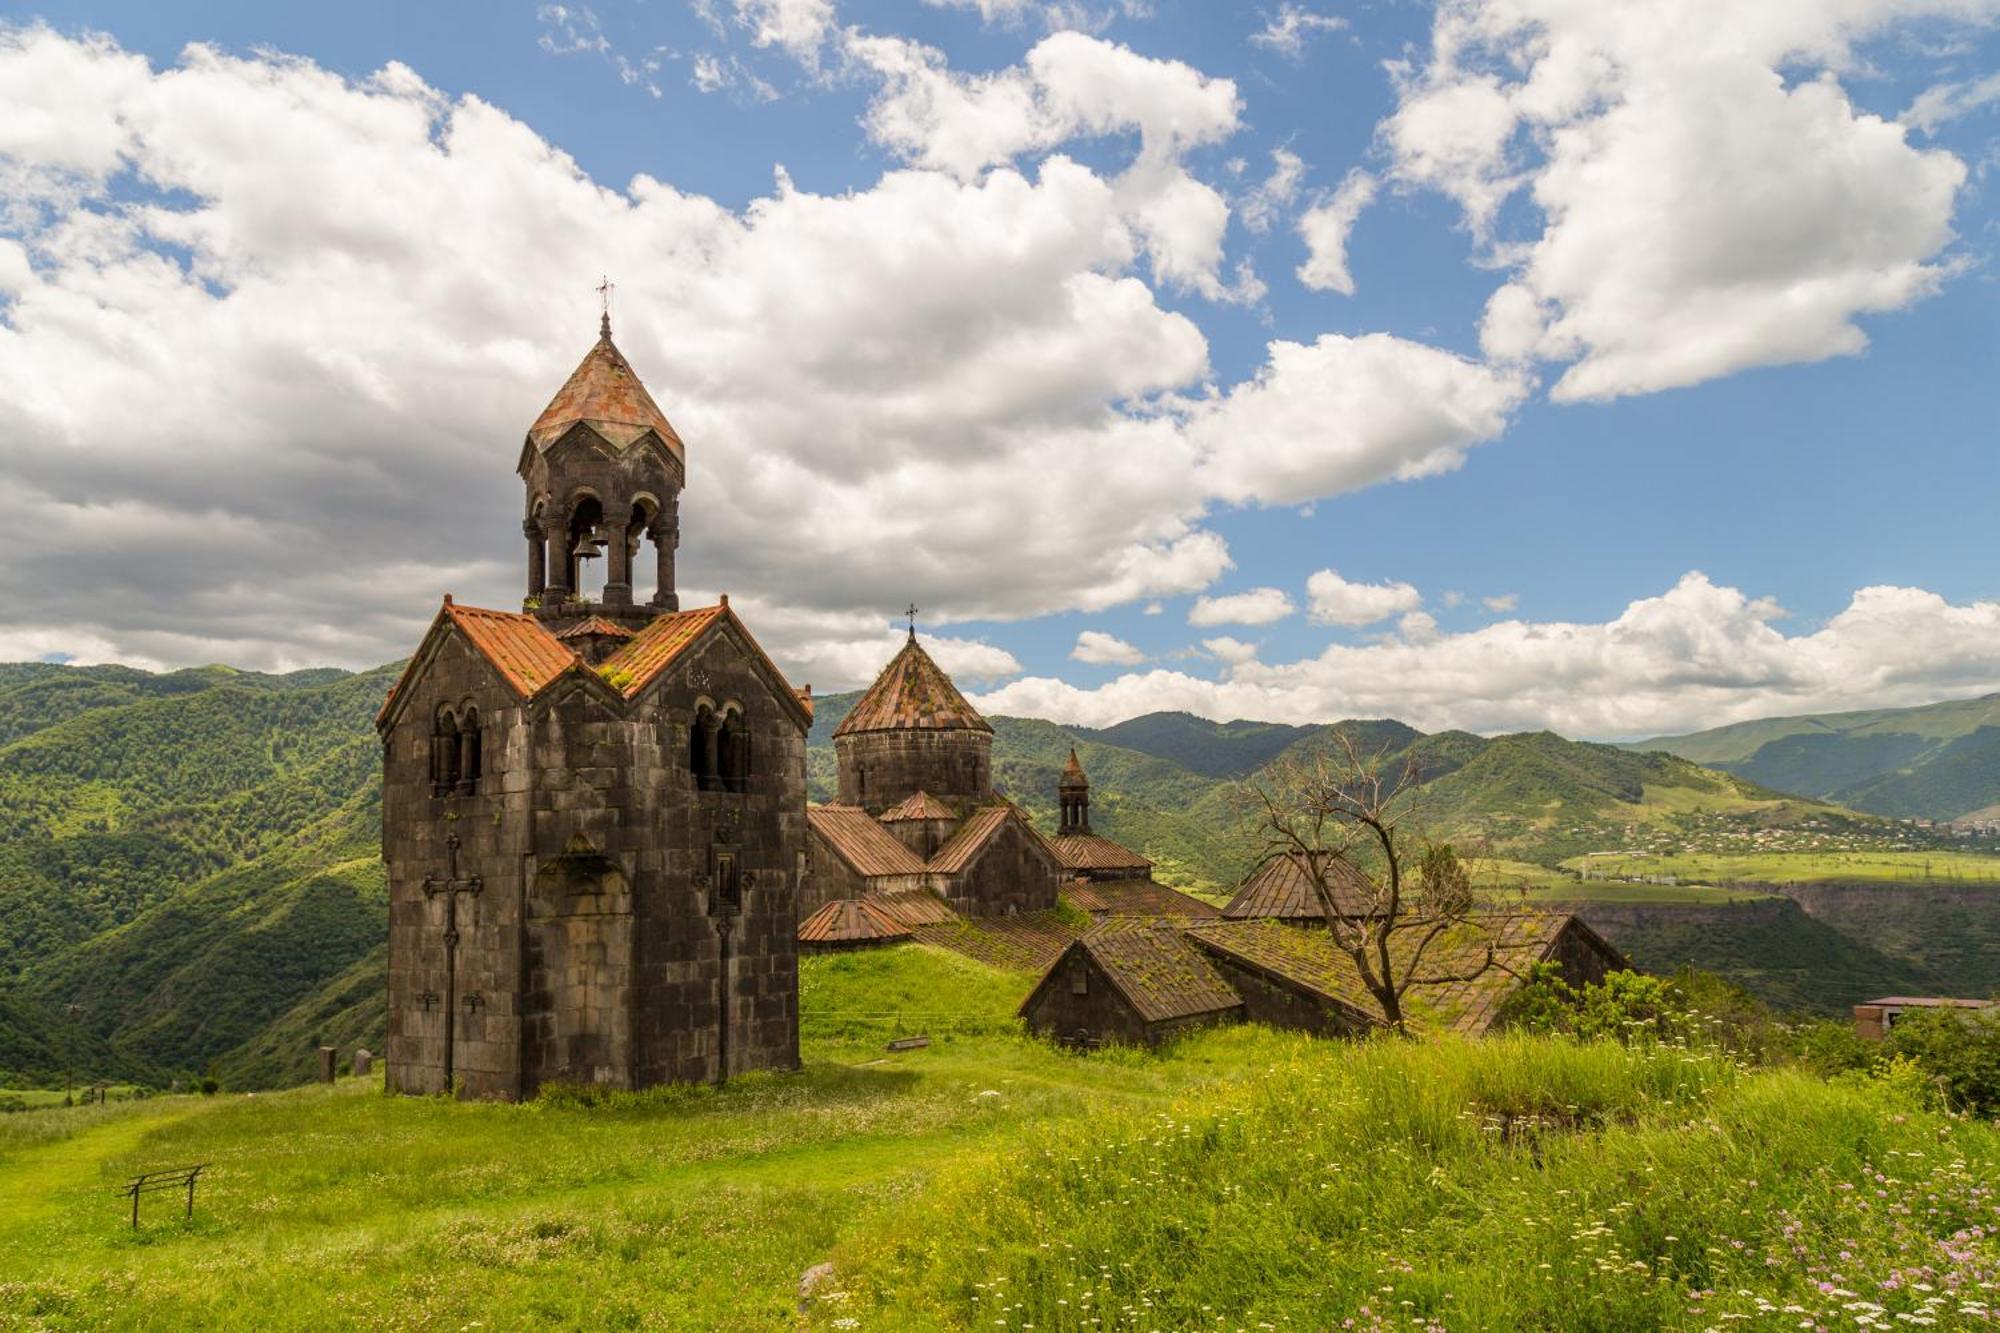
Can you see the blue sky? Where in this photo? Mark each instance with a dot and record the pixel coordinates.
(1546, 542)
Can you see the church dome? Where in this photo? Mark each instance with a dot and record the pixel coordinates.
(912, 694)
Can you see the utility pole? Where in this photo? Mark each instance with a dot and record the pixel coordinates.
(451, 886)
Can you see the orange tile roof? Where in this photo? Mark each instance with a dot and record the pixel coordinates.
(868, 849)
(851, 921)
(1282, 889)
(604, 394)
(918, 805)
(971, 837)
(912, 693)
(595, 625)
(525, 654)
(653, 649)
(1087, 851)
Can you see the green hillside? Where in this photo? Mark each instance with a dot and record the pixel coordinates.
(1938, 761)
(1212, 749)
(1238, 1179)
(190, 871)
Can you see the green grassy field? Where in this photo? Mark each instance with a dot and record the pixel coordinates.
(1805, 867)
(1241, 1179)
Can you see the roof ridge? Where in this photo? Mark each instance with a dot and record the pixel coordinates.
(912, 693)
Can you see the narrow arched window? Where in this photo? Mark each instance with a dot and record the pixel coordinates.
(444, 754)
(469, 756)
(704, 740)
(733, 753)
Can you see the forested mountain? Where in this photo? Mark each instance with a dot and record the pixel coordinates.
(1938, 761)
(190, 873)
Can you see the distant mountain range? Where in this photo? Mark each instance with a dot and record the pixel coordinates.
(1937, 761)
(190, 875)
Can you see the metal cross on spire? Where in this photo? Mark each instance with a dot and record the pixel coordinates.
(605, 286)
(912, 614)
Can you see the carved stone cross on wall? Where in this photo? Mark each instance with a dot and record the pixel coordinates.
(451, 886)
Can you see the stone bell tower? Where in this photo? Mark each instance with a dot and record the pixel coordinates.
(604, 472)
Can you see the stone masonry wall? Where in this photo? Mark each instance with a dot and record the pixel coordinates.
(879, 768)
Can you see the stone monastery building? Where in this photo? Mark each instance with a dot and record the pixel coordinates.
(602, 865)
(593, 813)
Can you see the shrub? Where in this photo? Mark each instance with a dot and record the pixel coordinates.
(1960, 1052)
(1628, 1007)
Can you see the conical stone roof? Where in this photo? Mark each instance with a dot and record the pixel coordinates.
(1072, 774)
(604, 393)
(912, 694)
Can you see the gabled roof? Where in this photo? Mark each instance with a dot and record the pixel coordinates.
(654, 648)
(1135, 898)
(1030, 941)
(971, 837)
(594, 626)
(1087, 851)
(659, 645)
(1160, 974)
(525, 656)
(851, 921)
(918, 805)
(605, 394)
(913, 694)
(865, 846)
(1310, 962)
(1282, 889)
(912, 907)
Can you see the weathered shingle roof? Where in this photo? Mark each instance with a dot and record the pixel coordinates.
(605, 394)
(654, 648)
(918, 805)
(595, 625)
(969, 838)
(912, 693)
(867, 848)
(1135, 898)
(1072, 774)
(1022, 942)
(1087, 851)
(1308, 961)
(1160, 974)
(525, 654)
(851, 921)
(913, 907)
(1282, 889)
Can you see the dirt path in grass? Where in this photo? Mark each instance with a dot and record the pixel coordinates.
(46, 1177)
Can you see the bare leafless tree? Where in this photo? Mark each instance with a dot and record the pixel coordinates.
(1388, 890)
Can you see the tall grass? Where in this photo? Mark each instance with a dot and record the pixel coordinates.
(1509, 1184)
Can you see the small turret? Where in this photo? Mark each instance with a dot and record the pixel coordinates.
(1073, 795)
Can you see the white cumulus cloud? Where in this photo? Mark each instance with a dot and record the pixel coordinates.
(1259, 606)
(1334, 600)
(1711, 200)
(1699, 655)
(1325, 226)
(1100, 649)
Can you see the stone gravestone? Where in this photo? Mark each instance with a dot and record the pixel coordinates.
(326, 1068)
(364, 1061)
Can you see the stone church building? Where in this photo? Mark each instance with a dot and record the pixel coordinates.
(593, 811)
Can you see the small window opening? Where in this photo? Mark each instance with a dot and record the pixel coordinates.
(446, 753)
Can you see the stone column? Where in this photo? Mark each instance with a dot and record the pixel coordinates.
(666, 535)
(560, 563)
(618, 578)
(538, 558)
(326, 1057)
